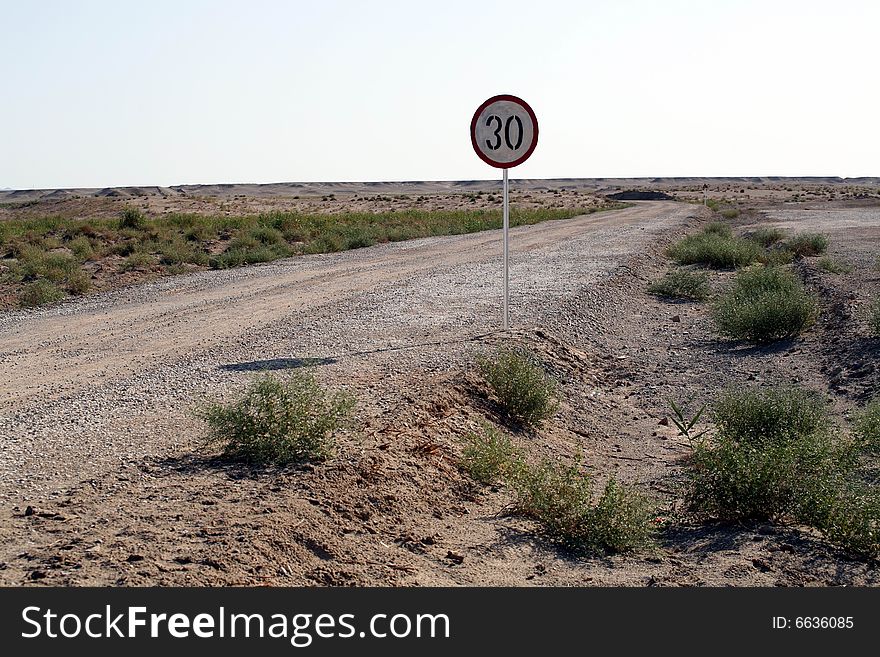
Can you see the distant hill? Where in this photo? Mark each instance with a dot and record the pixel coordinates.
(305, 189)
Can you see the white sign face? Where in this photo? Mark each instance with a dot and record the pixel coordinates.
(504, 131)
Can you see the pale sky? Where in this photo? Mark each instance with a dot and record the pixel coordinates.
(108, 93)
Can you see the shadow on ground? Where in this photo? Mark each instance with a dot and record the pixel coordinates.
(273, 364)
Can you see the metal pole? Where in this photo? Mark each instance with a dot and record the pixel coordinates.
(506, 274)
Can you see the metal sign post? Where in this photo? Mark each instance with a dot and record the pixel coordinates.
(504, 133)
(506, 213)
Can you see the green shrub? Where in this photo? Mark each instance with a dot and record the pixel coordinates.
(718, 228)
(767, 236)
(853, 521)
(137, 260)
(179, 252)
(682, 284)
(730, 213)
(867, 426)
(807, 244)
(832, 266)
(766, 304)
(78, 283)
(525, 393)
(561, 499)
(279, 421)
(754, 415)
(265, 235)
(132, 218)
(715, 250)
(81, 248)
(775, 456)
(783, 477)
(39, 293)
(489, 456)
(777, 257)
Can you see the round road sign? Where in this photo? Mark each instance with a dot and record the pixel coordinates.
(504, 131)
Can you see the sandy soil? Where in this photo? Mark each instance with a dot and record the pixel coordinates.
(98, 438)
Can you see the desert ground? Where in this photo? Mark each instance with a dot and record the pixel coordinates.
(105, 478)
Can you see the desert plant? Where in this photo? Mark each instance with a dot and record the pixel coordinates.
(765, 304)
(714, 249)
(772, 453)
(81, 248)
(137, 260)
(278, 421)
(132, 218)
(767, 236)
(718, 228)
(682, 284)
(775, 456)
(807, 244)
(686, 422)
(39, 293)
(78, 283)
(776, 257)
(525, 393)
(832, 266)
(770, 413)
(178, 252)
(489, 455)
(561, 498)
(867, 426)
(730, 213)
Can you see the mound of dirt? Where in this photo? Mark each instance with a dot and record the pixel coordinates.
(639, 195)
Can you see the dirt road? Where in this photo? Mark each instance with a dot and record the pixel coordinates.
(102, 380)
(98, 436)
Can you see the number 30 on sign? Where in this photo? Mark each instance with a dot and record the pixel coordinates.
(504, 131)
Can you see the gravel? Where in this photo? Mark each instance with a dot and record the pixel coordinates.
(100, 382)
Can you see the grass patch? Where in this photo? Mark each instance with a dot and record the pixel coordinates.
(278, 421)
(53, 248)
(561, 498)
(682, 284)
(527, 396)
(765, 304)
(775, 457)
(730, 213)
(832, 266)
(489, 456)
(807, 244)
(715, 247)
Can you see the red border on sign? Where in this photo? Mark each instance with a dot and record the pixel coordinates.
(483, 156)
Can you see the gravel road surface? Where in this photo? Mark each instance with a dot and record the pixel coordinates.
(99, 382)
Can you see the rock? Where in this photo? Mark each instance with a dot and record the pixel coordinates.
(676, 318)
(455, 558)
(29, 511)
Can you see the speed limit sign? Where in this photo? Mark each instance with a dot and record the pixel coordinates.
(504, 133)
